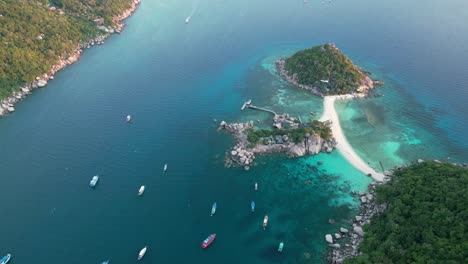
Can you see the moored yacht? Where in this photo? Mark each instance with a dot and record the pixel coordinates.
(187, 20)
(256, 187)
(165, 167)
(142, 253)
(265, 222)
(141, 190)
(213, 209)
(94, 181)
(252, 206)
(281, 246)
(129, 118)
(207, 242)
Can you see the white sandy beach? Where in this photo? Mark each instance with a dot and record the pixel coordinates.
(343, 146)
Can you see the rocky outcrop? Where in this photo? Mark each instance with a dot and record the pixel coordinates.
(351, 239)
(244, 153)
(7, 104)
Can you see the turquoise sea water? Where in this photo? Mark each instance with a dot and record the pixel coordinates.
(174, 79)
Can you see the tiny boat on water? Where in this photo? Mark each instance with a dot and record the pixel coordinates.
(207, 242)
(256, 186)
(94, 181)
(129, 118)
(265, 222)
(252, 205)
(5, 259)
(165, 167)
(142, 253)
(281, 246)
(105, 262)
(141, 190)
(187, 20)
(213, 209)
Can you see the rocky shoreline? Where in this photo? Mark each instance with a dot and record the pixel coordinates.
(344, 243)
(7, 104)
(244, 153)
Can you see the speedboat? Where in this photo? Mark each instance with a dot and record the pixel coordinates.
(256, 186)
(187, 20)
(94, 181)
(265, 222)
(5, 259)
(207, 242)
(165, 167)
(129, 118)
(252, 205)
(141, 190)
(281, 246)
(142, 253)
(213, 209)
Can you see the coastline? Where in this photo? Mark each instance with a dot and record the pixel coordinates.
(7, 104)
(343, 146)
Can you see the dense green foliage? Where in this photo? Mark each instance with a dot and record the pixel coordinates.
(90, 9)
(325, 62)
(34, 37)
(426, 220)
(295, 134)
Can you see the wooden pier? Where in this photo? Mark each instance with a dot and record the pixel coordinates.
(251, 106)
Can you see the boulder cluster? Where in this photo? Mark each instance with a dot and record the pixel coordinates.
(347, 241)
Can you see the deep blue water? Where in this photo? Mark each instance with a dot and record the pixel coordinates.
(174, 79)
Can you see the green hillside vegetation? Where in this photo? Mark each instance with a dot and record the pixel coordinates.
(426, 220)
(325, 62)
(296, 134)
(24, 55)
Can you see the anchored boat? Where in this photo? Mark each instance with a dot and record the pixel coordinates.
(281, 246)
(129, 118)
(5, 259)
(165, 167)
(256, 187)
(187, 20)
(265, 222)
(94, 181)
(207, 242)
(142, 253)
(105, 262)
(141, 190)
(213, 209)
(252, 205)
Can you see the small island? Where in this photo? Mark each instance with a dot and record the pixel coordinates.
(325, 70)
(288, 135)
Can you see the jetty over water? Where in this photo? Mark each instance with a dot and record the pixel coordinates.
(251, 106)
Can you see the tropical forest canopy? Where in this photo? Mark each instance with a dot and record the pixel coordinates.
(328, 63)
(35, 34)
(426, 220)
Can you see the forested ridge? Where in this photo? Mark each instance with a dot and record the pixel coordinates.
(426, 220)
(35, 34)
(327, 63)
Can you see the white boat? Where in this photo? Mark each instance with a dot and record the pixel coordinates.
(213, 209)
(94, 181)
(5, 259)
(256, 187)
(187, 20)
(129, 118)
(325, 81)
(141, 190)
(105, 262)
(265, 222)
(165, 168)
(142, 253)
